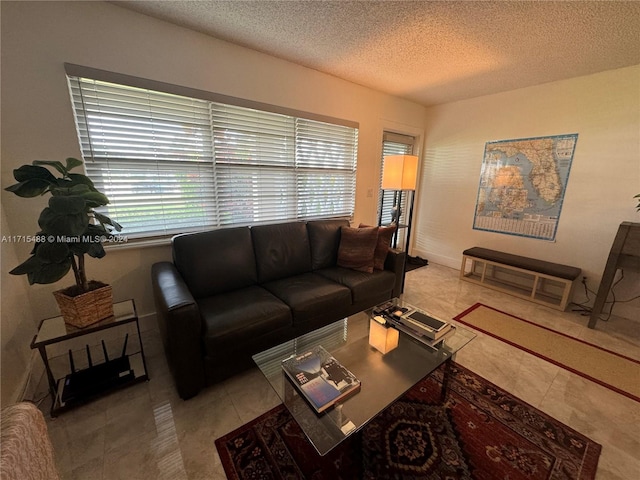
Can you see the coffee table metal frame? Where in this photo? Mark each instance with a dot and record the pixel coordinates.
(384, 377)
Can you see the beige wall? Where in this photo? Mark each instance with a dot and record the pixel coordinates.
(17, 326)
(604, 109)
(37, 121)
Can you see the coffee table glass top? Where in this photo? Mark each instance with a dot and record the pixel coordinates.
(384, 377)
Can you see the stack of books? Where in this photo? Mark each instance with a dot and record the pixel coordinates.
(420, 325)
(430, 327)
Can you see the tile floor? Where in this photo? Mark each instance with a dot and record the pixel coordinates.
(147, 432)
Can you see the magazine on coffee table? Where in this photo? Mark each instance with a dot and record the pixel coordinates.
(320, 378)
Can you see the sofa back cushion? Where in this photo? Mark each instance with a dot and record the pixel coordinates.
(324, 236)
(215, 262)
(281, 250)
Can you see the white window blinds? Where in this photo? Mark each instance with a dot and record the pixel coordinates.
(254, 164)
(170, 163)
(326, 169)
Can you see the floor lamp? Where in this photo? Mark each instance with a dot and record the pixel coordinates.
(399, 173)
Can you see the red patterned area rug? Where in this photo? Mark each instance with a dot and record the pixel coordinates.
(480, 432)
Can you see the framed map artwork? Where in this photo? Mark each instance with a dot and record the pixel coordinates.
(522, 185)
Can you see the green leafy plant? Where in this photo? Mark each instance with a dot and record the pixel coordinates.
(69, 226)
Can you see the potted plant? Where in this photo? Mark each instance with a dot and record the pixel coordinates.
(70, 228)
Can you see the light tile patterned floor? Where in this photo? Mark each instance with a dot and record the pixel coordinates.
(148, 432)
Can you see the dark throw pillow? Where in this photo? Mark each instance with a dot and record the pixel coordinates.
(382, 247)
(357, 248)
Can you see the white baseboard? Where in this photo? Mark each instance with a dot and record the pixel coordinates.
(439, 259)
(148, 321)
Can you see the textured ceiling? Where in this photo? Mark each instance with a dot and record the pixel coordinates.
(431, 52)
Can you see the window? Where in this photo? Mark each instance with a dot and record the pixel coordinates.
(172, 163)
(394, 144)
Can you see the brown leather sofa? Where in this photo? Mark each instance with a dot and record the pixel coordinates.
(231, 293)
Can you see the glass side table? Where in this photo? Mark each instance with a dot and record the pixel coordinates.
(84, 363)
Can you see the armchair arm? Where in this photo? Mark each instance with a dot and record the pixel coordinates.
(395, 262)
(27, 452)
(180, 327)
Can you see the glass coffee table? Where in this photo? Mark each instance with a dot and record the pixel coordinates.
(384, 377)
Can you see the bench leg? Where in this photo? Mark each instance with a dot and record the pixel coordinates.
(568, 288)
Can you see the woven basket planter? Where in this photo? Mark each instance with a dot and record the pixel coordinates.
(87, 308)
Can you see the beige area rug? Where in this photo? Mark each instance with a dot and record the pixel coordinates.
(609, 369)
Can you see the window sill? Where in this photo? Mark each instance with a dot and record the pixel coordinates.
(137, 244)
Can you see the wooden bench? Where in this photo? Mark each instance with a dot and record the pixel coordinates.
(542, 282)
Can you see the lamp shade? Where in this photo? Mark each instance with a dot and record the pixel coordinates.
(399, 172)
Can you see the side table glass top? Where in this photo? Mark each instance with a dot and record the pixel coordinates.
(384, 377)
(54, 329)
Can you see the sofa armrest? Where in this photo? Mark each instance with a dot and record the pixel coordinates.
(180, 326)
(395, 262)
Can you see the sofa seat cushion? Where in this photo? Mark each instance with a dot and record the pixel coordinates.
(362, 285)
(308, 294)
(235, 316)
